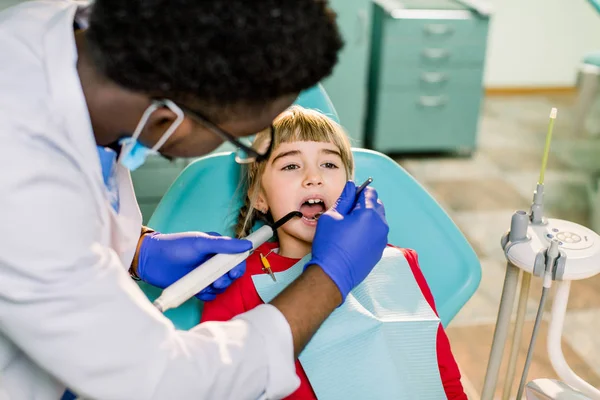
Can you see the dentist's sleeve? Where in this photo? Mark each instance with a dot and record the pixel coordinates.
(68, 303)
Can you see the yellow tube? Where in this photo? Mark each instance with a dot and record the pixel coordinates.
(553, 113)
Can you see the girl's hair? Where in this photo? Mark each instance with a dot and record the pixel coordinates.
(296, 124)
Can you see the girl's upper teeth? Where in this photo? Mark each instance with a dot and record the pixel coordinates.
(312, 201)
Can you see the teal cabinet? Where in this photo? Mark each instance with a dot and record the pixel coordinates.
(152, 180)
(425, 77)
(347, 85)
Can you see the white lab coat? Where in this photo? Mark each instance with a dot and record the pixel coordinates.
(69, 312)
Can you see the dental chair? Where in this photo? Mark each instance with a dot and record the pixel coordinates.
(206, 197)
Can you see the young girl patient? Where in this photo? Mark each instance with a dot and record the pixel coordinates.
(309, 166)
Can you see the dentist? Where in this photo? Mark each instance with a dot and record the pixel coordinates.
(86, 93)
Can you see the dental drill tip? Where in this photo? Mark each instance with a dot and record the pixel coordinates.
(553, 112)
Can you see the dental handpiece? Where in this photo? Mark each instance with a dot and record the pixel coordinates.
(191, 284)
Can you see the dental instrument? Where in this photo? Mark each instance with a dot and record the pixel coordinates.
(189, 285)
(363, 186)
(526, 278)
(555, 250)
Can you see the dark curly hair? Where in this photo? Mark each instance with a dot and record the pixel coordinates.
(219, 52)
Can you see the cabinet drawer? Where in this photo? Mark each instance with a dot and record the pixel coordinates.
(413, 122)
(430, 80)
(438, 31)
(451, 54)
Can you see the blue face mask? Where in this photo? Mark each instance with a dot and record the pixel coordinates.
(133, 153)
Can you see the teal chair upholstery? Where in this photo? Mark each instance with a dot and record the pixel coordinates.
(206, 197)
(592, 58)
(316, 98)
(595, 4)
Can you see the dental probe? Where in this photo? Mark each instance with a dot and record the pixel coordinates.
(198, 279)
(363, 186)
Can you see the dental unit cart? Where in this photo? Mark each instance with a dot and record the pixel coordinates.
(556, 251)
(425, 80)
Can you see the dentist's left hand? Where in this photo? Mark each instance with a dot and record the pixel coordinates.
(164, 258)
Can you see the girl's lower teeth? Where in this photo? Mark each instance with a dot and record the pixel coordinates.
(316, 217)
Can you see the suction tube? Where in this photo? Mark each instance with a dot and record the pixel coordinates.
(189, 285)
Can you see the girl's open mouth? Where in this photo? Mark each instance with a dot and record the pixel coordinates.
(312, 208)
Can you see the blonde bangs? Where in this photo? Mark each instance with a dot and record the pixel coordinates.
(298, 124)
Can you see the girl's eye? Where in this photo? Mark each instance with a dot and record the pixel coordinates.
(290, 167)
(330, 165)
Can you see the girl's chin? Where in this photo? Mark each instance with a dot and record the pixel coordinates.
(300, 229)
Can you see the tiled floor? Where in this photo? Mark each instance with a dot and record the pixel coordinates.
(481, 193)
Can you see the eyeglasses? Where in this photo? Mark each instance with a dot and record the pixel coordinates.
(247, 152)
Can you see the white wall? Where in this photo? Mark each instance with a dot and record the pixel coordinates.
(539, 42)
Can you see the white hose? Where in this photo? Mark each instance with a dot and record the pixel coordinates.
(566, 374)
(192, 283)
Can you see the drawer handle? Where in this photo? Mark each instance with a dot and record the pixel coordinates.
(434, 77)
(432, 101)
(436, 54)
(438, 29)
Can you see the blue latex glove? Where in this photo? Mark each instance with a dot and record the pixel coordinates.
(164, 258)
(350, 238)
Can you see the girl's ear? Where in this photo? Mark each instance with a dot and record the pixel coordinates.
(261, 202)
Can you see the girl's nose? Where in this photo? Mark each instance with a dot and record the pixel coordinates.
(313, 178)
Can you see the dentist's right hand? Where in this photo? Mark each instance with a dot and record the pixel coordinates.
(350, 238)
